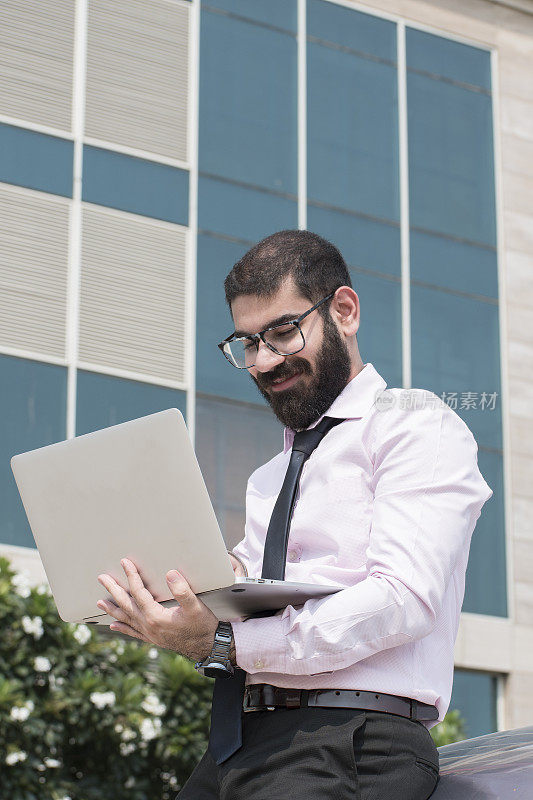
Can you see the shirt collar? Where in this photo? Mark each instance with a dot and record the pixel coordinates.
(353, 402)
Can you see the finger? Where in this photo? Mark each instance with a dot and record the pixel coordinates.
(119, 595)
(181, 590)
(113, 610)
(122, 627)
(143, 597)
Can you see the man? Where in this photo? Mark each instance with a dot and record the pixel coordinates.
(386, 508)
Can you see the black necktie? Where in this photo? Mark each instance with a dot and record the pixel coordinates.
(226, 727)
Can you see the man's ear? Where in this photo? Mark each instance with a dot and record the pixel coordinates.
(345, 310)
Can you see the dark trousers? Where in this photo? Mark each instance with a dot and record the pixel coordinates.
(322, 754)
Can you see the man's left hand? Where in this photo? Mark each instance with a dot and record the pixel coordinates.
(188, 628)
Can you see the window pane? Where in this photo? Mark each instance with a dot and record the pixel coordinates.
(232, 440)
(451, 170)
(380, 335)
(454, 264)
(455, 349)
(474, 695)
(34, 160)
(135, 185)
(344, 26)
(486, 579)
(248, 105)
(363, 242)
(352, 132)
(452, 60)
(281, 13)
(242, 212)
(214, 374)
(34, 414)
(104, 400)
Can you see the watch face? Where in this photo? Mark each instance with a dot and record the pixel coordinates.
(214, 669)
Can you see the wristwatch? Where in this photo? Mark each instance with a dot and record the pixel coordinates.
(218, 661)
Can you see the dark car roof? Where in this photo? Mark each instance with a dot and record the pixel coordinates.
(498, 766)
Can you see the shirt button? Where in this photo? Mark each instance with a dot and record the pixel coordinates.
(258, 664)
(294, 555)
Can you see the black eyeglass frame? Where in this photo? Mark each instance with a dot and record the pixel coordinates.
(255, 337)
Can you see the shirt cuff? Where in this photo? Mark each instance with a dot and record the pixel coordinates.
(260, 645)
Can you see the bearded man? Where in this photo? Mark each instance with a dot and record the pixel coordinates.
(336, 697)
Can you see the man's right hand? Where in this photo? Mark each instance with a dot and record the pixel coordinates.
(238, 568)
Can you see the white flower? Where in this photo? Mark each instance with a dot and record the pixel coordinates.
(12, 758)
(150, 728)
(127, 735)
(119, 728)
(119, 648)
(102, 699)
(153, 653)
(22, 584)
(41, 664)
(82, 634)
(33, 626)
(21, 713)
(112, 658)
(152, 705)
(130, 783)
(42, 588)
(126, 749)
(52, 762)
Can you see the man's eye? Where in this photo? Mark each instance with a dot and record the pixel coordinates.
(249, 344)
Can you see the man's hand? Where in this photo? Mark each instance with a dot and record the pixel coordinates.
(238, 567)
(188, 629)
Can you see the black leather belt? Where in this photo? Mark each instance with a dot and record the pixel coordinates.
(265, 697)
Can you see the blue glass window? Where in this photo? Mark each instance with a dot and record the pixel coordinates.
(486, 578)
(451, 169)
(277, 13)
(214, 374)
(36, 160)
(380, 334)
(474, 695)
(358, 32)
(34, 412)
(242, 212)
(364, 242)
(452, 60)
(248, 104)
(352, 131)
(454, 264)
(135, 185)
(455, 348)
(104, 400)
(232, 440)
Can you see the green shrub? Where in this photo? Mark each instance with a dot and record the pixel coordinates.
(451, 729)
(88, 717)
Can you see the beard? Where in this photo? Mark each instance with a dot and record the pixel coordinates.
(299, 407)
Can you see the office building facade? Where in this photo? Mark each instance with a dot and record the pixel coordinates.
(145, 145)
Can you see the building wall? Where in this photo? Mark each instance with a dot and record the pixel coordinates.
(505, 646)
(152, 192)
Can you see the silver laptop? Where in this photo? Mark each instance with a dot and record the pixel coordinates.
(135, 490)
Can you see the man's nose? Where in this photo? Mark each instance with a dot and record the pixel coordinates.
(266, 359)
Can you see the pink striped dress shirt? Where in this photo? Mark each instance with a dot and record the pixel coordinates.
(386, 509)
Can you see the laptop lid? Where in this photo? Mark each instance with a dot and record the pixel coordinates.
(133, 490)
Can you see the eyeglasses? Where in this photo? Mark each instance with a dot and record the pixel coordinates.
(284, 339)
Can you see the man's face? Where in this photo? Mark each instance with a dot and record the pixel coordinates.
(300, 387)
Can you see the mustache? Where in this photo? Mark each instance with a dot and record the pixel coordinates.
(299, 366)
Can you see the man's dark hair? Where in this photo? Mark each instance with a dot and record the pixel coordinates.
(315, 264)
